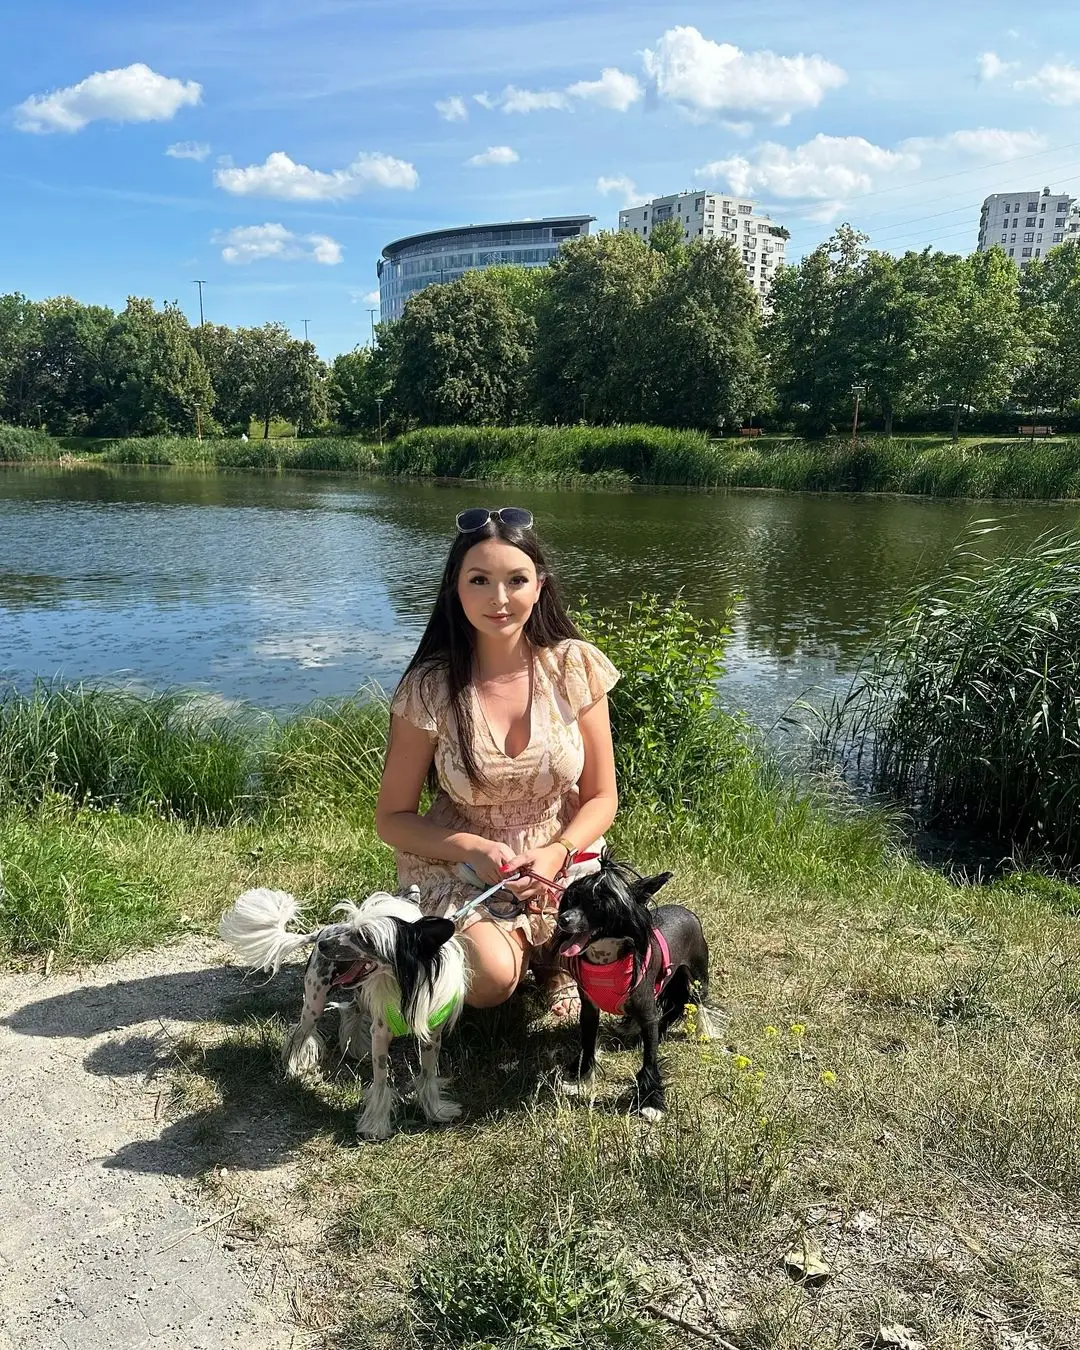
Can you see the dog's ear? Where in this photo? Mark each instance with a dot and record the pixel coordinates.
(431, 934)
(650, 885)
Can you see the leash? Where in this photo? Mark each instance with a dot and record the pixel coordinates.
(527, 906)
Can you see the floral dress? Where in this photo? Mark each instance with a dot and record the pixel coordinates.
(528, 799)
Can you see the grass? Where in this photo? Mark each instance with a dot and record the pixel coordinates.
(895, 1086)
(932, 465)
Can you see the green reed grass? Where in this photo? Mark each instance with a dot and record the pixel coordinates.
(19, 443)
(967, 709)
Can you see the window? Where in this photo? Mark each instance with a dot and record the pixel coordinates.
(1030, 222)
(1042, 208)
(1026, 253)
(744, 210)
(1004, 238)
(1037, 252)
(699, 205)
(1058, 238)
(1029, 238)
(1012, 238)
(1012, 253)
(1038, 239)
(1063, 206)
(1032, 206)
(1059, 224)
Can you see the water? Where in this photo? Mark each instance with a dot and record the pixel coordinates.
(279, 590)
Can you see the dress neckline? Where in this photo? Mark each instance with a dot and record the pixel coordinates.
(501, 750)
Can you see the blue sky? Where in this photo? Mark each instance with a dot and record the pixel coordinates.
(272, 148)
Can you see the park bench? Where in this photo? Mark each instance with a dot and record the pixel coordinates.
(749, 431)
(1035, 431)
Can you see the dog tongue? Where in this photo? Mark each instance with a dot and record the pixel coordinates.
(573, 948)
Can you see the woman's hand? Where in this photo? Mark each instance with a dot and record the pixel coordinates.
(489, 860)
(546, 861)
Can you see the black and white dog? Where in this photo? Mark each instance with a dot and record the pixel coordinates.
(632, 958)
(402, 974)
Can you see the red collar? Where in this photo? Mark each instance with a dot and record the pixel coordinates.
(608, 987)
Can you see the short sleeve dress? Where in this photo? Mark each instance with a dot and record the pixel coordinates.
(527, 799)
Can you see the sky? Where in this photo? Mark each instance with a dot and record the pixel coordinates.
(272, 148)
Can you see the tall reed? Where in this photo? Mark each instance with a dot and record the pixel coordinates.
(968, 709)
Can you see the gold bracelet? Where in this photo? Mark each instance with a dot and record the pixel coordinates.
(565, 843)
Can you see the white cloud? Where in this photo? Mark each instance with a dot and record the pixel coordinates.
(255, 243)
(494, 154)
(985, 142)
(992, 67)
(132, 94)
(614, 89)
(1059, 85)
(452, 109)
(280, 177)
(825, 168)
(514, 100)
(486, 101)
(708, 76)
(370, 298)
(625, 187)
(188, 150)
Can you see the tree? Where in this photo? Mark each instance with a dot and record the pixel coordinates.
(1050, 317)
(703, 365)
(667, 239)
(886, 331)
(591, 326)
(462, 351)
(808, 335)
(154, 381)
(356, 380)
(972, 330)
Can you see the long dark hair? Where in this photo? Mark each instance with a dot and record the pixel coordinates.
(448, 644)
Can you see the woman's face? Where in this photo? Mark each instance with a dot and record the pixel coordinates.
(498, 587)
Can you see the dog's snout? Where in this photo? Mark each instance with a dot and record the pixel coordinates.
(571, 921)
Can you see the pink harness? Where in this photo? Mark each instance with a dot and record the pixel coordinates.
(610, 986)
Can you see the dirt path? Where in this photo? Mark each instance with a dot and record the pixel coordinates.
(96, 1207)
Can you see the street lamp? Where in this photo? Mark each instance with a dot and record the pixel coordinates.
(378, 404)
(858, 390)
(371, 316)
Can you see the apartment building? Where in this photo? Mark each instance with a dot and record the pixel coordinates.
(1028, 224)
(758, 238)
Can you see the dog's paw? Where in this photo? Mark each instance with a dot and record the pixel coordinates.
(652, 1114)
(300, 1055)
(427, 1093)
(443, 1111)
(578, 1087)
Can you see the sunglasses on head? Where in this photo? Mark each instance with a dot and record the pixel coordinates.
(476, 517)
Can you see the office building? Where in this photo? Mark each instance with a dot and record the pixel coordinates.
(408, 265)
(758, 238)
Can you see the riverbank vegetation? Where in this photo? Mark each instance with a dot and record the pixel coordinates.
(892, 1100)
(616, 457)
(616, 330)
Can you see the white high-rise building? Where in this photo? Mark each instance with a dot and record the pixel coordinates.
(1028, 224)
(713, 215)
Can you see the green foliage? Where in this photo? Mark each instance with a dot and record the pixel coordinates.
(331, 753)
(165, 752)
(20, 443)
(462, 351)
(967, 707)
(1050, 315)
(356, 380)
(504, 1285)
(672, 741)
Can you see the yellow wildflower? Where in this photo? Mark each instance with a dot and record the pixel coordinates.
(828, 1077)
(772, 1031)
(797, 1029)
(742, 1063)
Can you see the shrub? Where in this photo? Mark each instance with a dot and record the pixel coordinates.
(967, 709)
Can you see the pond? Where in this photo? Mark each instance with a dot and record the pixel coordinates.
(281, 589)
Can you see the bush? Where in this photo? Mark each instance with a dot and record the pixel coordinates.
(967, 708)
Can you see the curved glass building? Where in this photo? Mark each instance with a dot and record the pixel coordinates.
(408, 265)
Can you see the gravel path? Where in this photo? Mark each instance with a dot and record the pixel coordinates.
(96, 1213)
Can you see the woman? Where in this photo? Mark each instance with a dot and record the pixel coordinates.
(503, 712)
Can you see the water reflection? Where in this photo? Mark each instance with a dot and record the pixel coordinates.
(280, 589)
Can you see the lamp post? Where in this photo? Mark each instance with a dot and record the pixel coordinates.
(858, 390)
(378, 404)
(371, 317)
(200, 285)
(305, 322)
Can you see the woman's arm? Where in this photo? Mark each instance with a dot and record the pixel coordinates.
(598, 796)
(397, 819)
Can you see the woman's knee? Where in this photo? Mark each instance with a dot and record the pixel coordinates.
(496, 960)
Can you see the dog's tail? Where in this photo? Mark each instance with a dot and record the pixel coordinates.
(256, 925)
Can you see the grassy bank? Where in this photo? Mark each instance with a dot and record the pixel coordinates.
(895, 1088)
(990, 467)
